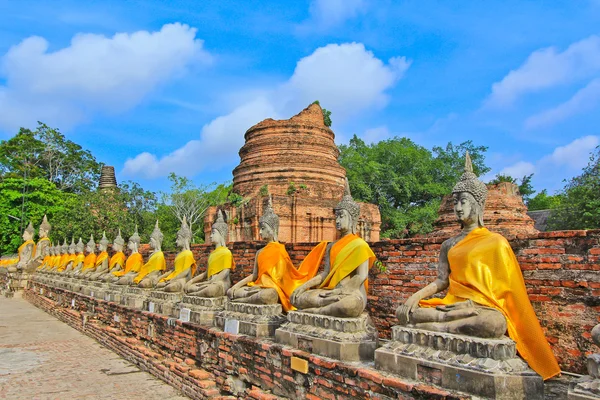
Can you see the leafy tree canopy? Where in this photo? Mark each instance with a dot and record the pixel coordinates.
(544, 201)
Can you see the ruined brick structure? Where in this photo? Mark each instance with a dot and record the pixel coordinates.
(504, 213)
(295, 161)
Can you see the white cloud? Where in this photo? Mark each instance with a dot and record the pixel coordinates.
(519, 169)
(347, 79)
(94, 74)
(374, 135)
(574, 155)
(331, 13)
(584, 100)
(548, 68)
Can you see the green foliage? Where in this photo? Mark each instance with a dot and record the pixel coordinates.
(525, 187)
(291, 189)
(235, 199)
(406, 180)
(580, 205)
(326, 114)
(544, 201)
(264, 190)
(303, 186)
(46, 153)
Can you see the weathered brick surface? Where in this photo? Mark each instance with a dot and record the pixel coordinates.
(226, 366)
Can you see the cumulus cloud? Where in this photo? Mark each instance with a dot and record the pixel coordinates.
(574, 155)
(519, 169)
(93, 74)
(331, 13)
(547, 68)
(346, 78)
(584, 100)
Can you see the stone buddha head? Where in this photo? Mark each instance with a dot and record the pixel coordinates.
(347, 212)
(28, 233)
(218, 234)
(90, 247)
(156, 238)
(269, 223)
(44, 228)
(52, 250)
(72, 246)
(79, 246)
(184, 235)
(134, 241)
(469, 196)
(103, 242)
(118, 243)
(65, 247)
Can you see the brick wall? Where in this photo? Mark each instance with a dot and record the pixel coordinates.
(205, 363)
(561, 270)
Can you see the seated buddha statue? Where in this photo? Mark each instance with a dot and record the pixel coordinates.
(70, 259)
(51, 260)
(150, 272)
(486, 291)
(56, 259)
(89, 262)
(26, 251)
(133, 265)
(47, 258)
(101, 263)
(341, 289)
(274, 277)
(41, 249)
(64, 258)
(216, 280)
(117, 260)
(184, 265)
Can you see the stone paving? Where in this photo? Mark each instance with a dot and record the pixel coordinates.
(43, 358)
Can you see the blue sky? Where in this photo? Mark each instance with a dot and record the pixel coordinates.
(155, 87)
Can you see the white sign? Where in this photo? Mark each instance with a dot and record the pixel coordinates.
(232, 326)
(151, 306)
(92, 294)
(72, 302)
(107, 296)
(116, 318)
(41, 291)
(184, 315)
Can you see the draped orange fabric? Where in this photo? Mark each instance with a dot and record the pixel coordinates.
(156, 262)
(63, 262)
(133, 264)
(183, 261)
(68, 259)
(89, 262)
(100, 259)
(25, 244)
(79, 258)
(275, 270)
(117, 258)
(484, 269)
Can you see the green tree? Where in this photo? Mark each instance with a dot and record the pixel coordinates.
(544, 201)
(405, 180)
(580, 205)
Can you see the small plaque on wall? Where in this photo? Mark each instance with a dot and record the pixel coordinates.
(184, 315)
(151, 307)
(232, 326)
(107, 297)
(116, 318)
(92, 294)
(72, 302)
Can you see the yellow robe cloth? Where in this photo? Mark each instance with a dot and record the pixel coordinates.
(44, 263)
(89, 262)
(155, 263)
(69, 258)
(134, 263)
(62, 263)
(117, 258)
(219, 260)
(39, 243)
(183, 261)
(22, 247)
(484, 269)
(100, 259)
(56, 261)
(79, 258)
(275, 270)
(346, 255)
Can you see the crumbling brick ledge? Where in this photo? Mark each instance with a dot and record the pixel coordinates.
(206, 363)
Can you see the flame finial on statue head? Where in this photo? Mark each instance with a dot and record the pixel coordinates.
(30, 229)
(45, 225)
(347, 203)
(157, 234)
(119, 239)
(469, 183)
(185, 230)
(220, 225)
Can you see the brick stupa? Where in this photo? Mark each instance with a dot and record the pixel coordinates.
(295, 161)
(504, 213)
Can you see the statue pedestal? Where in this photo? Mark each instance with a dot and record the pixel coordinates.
(134, 297)
(588, 386)
(203, 309)
(482, 367)
(114, 292)
(18, 280)
(165, 303)
(99, 289)
(345, 339)
(250, 319)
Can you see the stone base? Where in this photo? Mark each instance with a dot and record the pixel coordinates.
(164, 303)
(585, 388)
(254, 320)
(482, 367)
(203, 309)
(345, 339)
(18, 280)
(134, 297)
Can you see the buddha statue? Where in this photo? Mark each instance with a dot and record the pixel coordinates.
(216, 280)
(71, 256)
(134, 262)
(51, 259)
(48, 254)
(486, 290)
(117, 261)
(79, 258)
(341, 289)
(89, 263)
(26, 251)
(41, 249)
(56, 259)
(102, 260)
(64, 257)
(149, 273)
(184, 265)
(274, 277)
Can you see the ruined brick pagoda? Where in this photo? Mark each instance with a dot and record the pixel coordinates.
(295, 161)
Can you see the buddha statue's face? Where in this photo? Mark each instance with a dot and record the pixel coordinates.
(103, 246)
(181, 240)
(27, 236)
(153, 243)
(89, 249)
(43, 232)
(117, 247)
(215, 237)
(266, 232)
(466, 208)
(72, 249)
(343, 221)
(132, 245)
